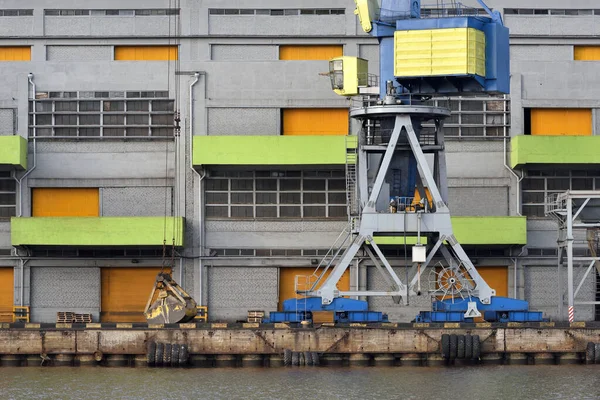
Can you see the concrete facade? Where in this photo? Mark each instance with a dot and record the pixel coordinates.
(231, 264)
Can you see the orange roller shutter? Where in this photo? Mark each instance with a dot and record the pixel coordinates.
(6, 294)
(146, 53)
(586, 53)
(561, 121)
(497, 278)
(65, 202)
(125, 292)
(20, 53)
(315, 121)
(287, 279)
(310, 52)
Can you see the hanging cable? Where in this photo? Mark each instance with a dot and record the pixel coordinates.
(169, 52)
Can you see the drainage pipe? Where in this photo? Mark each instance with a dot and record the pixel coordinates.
(200, 178)
(20, 180)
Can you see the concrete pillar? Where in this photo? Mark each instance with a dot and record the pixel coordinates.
(85, 360)
(410, 360)
(63, 360)
(33, 360)
(543, 358)
(435, 360)
(359, 360)
(252, 360)
(332, 359)
(140, 361)
(13, 360)
(569, 358)
(117, 360)
(225, 360)
(201, 360)
(275, 361)
(516, 358)
(384, 360)
(492, 359)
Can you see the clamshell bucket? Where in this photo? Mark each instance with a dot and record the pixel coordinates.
(169, 303)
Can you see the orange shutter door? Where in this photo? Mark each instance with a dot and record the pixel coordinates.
(586, 53)
(22, 53)
(287, 279)
(310, 52)
(6, 294)
(125, 292)
(65, 202)
(146, 53)
(497, 278)
(561, 121)
(315, 121)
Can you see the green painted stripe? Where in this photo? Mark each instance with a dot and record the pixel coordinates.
(554, 150)
(475, 231)
(490, 230)
(13, 151)
(398, 240)
(96, 231)
(269, 150)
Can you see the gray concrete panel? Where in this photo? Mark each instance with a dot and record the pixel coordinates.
(232, 291)
(17, 26)
(243, 121)
(79, 53)
(5, 234)
(64, 289)
(243, 52)
(478, 201)
(475, 159)
(297, 25)
(541, 53)
(281, 80)
(541, 290)
(7, 121)
(552, 25)
(370, 52)
(136, 201)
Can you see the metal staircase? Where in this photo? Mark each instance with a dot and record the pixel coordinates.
(351, 187)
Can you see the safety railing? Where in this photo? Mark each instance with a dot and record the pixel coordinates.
(400, 204)
(18, 314)
(201, 314)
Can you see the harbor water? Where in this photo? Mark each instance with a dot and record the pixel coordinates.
(480, 382)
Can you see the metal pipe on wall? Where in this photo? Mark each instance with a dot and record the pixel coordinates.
(20, 180)
(200, 178)
(505, 156)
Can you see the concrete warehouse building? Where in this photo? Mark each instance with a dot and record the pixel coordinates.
(250, 191)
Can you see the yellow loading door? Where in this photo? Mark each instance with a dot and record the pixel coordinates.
(20, 53)
(287, 287)
(65, 202)
(314, 121)
(497, 278)
(561, 121)
(326, 52)
(146, 53)
(125, 292)
(6, 294)
(586, 53)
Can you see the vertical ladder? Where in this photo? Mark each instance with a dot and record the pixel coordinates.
(351, 184)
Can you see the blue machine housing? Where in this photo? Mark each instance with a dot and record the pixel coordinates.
(500, 309)
(405, 15)
(345, 310)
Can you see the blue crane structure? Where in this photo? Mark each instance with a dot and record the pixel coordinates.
(455, 52)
